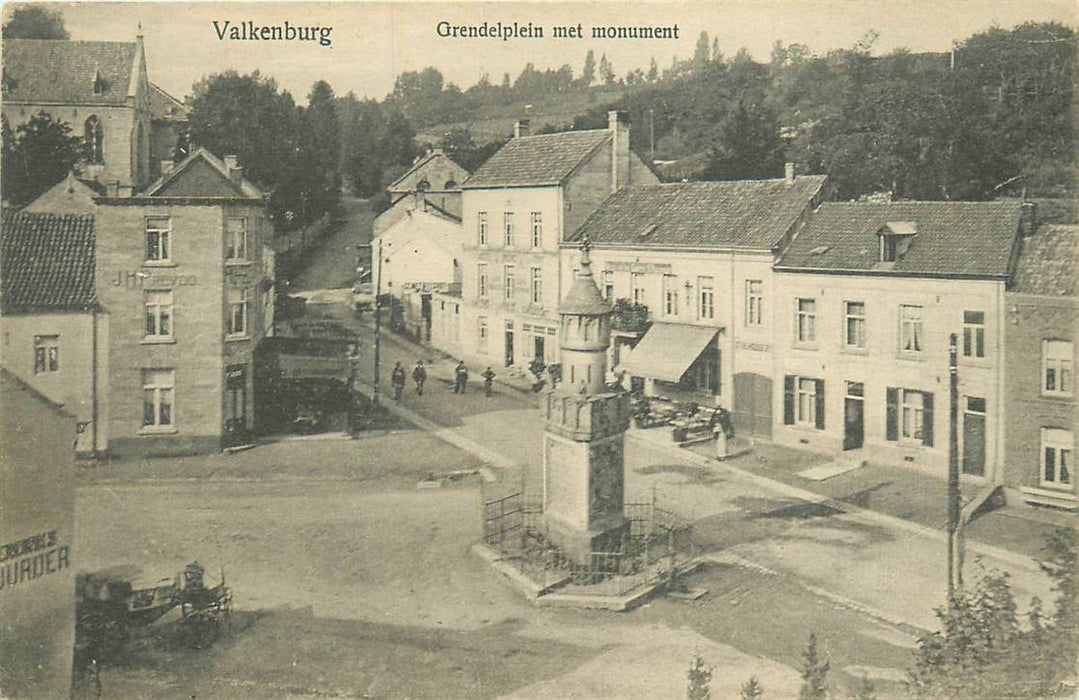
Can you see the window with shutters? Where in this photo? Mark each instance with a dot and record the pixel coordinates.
(803, 401)
(973, 334)
(1058, 450)
(909, 416)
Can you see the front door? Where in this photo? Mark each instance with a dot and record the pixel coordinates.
(854, 416)
(509, 347)
(974, 436)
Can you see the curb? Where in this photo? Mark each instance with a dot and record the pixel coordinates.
(864, 514)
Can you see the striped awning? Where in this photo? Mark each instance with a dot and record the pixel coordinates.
(667, 351)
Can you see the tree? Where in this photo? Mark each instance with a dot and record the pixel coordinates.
(316, 166)
(699, 676)
(752, 689)
(588, 73)
(38, 155)
(35, 23)
(701, 53)
(606, 71)
(747, 145)
(814, 673)
(653, 71)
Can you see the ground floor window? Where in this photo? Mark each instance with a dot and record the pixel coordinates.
(909, 416)
(803, 401)
(157, 397)
(1057, 454)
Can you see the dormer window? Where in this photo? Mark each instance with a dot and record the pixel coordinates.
(895, 239)
(99, 83)
(423, 185)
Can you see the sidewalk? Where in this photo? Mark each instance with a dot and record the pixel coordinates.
(904, 497)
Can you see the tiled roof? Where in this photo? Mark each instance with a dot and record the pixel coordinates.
(537, 160)
(1049, 262)
(46, 262)
(191, 179)
(402, 183)
(738, 213)
(165, 106)
(37, 71)
(974, 239)
(584, 297)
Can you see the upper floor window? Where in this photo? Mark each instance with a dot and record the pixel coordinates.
(158, 239)
(670, 295)
(481, 280)
(1057, 367)
(754, 302)
(854, 326)
(636, 280)
(537, 285)
(236, 234)
(973, 334)
(806, 320)
(608, 285)
(706, 296)
(537, 229)
(481, 225)
(911, 328)
(1058, 450)
(509, 228)
(46, 353)
(158, 307)
(237, 319)
(94, 138)
(509, 282)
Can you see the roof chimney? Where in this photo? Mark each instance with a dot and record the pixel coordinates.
(521, 128)
(618, 125)
(232, 164)
(788, 173)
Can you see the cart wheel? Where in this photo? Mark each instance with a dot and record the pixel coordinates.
(200, 629)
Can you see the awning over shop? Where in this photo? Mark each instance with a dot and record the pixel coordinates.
(667, 350)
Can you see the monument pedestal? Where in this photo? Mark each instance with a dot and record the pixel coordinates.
(605, 535)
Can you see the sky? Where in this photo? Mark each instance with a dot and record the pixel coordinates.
(374, 41)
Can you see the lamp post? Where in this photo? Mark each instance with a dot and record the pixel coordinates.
(955, 576)
(378, 326)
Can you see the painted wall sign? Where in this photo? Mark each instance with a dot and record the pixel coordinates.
(137, 279)
(623, 266)
(31, 558)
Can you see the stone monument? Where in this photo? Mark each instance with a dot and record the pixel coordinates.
(584, 434)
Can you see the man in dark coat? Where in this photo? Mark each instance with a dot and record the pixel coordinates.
(460, 378)
(419, 375)
(397, 380)
(488, 379)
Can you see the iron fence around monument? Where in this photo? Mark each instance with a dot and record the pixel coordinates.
(658, 545)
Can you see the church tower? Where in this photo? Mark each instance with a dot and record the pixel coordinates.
(584, 435)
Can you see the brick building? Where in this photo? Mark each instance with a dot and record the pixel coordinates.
(866, 298)
(1040, 352)
(180, 271)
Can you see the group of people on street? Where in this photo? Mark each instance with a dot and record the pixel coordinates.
(419, 377)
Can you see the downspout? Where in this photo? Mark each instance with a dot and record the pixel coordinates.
(728, 390)
(999, 411)
(93, 383)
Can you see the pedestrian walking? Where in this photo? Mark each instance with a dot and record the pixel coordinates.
(488, 379)
(397, 380)
(419, 375)
(460, 378)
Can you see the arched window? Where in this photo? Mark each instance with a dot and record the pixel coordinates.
(451, 184)
(94, 137)
(423, 185)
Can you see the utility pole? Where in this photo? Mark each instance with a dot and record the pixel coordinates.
(378, 325)
(955, 576)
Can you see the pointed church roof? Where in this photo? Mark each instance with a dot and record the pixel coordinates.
(584, 298)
